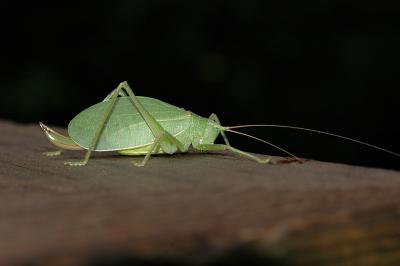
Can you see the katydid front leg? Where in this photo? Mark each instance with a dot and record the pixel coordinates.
(222, 147)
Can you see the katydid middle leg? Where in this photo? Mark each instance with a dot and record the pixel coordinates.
(53, 153)
(153, 147)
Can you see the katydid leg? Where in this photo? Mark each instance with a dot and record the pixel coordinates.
(96, 137)
(223, 147)
(53, 153)
(153, 147)
(117, 90)
(168, 143)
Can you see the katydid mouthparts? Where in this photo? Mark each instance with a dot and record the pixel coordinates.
(135, 125)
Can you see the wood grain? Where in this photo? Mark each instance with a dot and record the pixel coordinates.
(190, 209)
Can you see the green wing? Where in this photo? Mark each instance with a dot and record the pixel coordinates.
(125, 127)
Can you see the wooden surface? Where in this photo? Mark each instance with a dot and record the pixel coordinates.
(190, 209)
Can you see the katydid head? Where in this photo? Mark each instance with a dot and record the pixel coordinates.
(210, 131)
(204, 130)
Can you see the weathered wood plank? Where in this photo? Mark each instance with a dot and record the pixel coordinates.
(190, 208)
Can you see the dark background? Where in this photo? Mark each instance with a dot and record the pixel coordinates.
(328, 65)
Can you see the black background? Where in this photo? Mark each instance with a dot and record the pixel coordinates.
(328, 65)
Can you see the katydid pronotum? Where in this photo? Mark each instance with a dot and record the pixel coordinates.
(135, 125)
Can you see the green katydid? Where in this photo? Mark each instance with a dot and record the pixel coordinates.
(135, 125)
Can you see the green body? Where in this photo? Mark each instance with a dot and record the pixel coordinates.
(134, 125)
(127, 132)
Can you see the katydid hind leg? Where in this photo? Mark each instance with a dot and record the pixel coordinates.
(168, 143)
(223, 147)
(79, 162)
(117, 90)
(96, 137)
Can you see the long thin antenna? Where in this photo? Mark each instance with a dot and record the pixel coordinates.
(264, 141)
(316, 131)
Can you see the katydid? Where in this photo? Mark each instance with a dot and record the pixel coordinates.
(135, 125)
